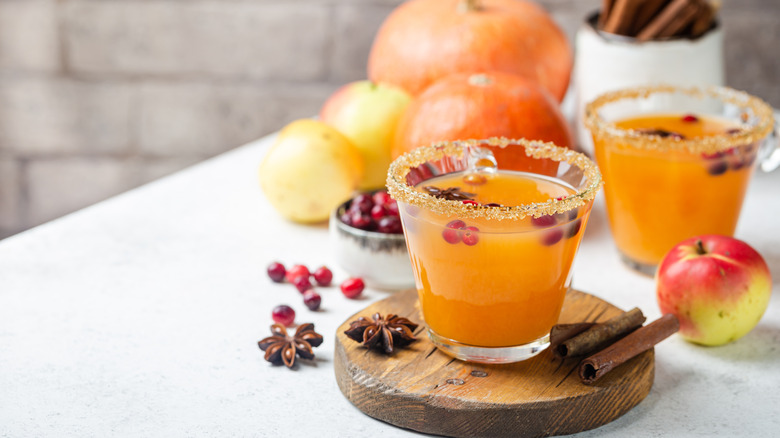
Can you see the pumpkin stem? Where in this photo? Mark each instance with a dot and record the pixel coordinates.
(469, 5)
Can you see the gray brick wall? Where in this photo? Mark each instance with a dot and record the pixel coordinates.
(97, 96)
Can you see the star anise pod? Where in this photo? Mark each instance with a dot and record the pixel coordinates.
(450, 193)
(281, 348)
(382, 333)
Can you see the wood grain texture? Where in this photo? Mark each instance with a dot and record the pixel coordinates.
(422, 389)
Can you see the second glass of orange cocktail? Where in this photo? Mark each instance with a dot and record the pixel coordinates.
(492, 249)
(676, 161)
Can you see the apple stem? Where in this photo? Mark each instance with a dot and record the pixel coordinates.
(700, 247)
(469, 5)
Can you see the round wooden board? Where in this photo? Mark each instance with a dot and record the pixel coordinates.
(422, 389)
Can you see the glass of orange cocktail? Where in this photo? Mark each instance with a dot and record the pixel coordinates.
(676, 163)
(492, 249)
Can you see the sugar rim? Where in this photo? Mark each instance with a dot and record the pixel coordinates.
(712, 144)
(402, 192)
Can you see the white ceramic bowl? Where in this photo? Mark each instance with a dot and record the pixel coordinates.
(380, 259)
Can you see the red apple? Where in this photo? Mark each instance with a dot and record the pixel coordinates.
(367, 114)
(717, 286)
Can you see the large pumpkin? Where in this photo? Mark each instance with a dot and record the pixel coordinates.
(483, 105)
(424, 40)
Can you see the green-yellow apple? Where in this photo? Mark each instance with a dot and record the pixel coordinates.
(717, 286)
(310, 169)
(367, 113)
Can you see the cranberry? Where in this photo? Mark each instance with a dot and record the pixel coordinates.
(312, 299)
(363, 203)
(276, 271)
(717, 168)
(381, 198)
(390, 225)
(378, 212)
(457, 224)
(360, 220)
(469, 202)
(474, 179)
(452, 233)
(552, 237)
(323, 276)
(352, 287)
(493, 204)
(296, 271)
(712, 156)
(391, 208)
(470, 236)
(574, 228)
(284, 315)
(347, 218)
(543, 221)
(302, 283)
(690, 118)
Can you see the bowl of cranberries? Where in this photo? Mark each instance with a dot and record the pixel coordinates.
(368, 240)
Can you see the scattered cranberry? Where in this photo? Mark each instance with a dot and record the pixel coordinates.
(552, 237)
(470, 236)
(543, 221)
(312, 299)
(302, 283)
(296, 271)
(381, 198)
(276, 271)
(392, 208)
(352, 287)
(363, 203)
(284, 315)
(452, 233)
(390, 225)
(378, 212)
(717, 168)
(323, 276)
(690, 118)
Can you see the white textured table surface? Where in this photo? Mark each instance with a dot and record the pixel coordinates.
(140, 316)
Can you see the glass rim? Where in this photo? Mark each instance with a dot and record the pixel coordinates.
(600, 128)
(398, 188)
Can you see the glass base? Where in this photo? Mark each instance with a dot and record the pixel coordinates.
(471, 353)
(640, 267)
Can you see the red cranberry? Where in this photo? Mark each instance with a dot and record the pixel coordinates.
(276, 271)
(452, 233)
(543, 221)
(390, 225)
(457, 224)
(470, 236)
(312, 299)
(690, 118)
(283, 315)
(493, 204)
(718, 168)
(378, 212)
(352, 287)
(712, 156)
(347, 218)
(302, 283)
(381, 198)
(323, 276)
(574, 228)
(296, 271)
(360, 220)
(552, 237)
(469, 202)
(363, 203)
(391, 208)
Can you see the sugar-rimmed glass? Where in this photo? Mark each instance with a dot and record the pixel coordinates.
(492, 279)
(662, 189)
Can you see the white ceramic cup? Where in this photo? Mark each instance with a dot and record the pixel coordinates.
(606, 62)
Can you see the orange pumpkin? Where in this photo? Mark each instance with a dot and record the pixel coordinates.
(483, 105)
(424, 40)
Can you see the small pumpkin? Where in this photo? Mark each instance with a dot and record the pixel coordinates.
(424, 40)
(483, 105)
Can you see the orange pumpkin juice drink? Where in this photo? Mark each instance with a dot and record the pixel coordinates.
(491, 249)
(671, 176)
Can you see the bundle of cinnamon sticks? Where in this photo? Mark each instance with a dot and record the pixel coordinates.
(611, 343)
(657, 19)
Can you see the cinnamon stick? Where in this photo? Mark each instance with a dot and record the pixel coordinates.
(641, 340)
(599, 334)
(646, 12)
(563, 332)
(674, 17)
(606, 9)
(622, 16)
(703, 21)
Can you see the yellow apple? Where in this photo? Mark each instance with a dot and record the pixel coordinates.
(368, 113)
(310, 169)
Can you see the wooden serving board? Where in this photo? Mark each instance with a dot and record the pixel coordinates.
(422, 389)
